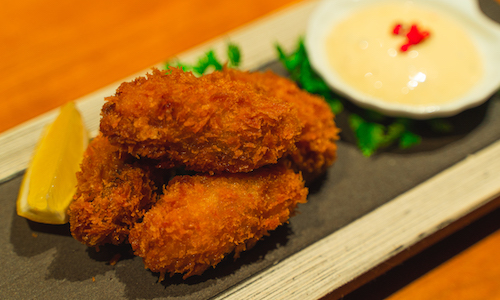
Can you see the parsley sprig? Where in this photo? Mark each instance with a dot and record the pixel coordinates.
(372, 136)
(210, 61)
(299, 67)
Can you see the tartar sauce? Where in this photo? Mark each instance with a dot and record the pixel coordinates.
(367, 55)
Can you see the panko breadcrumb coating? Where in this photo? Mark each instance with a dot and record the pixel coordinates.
(111, 195)
(206, 124)
(202, 218)
(247, 139)
(316, 148)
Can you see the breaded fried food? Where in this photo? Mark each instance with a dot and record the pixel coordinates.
(201, 218)
(206, 124)
(316, 148)
(113, 192)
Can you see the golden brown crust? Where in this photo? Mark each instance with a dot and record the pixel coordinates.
(111, 195)
(202, 218)
(206, 124)
(316, 148)
(240, 129)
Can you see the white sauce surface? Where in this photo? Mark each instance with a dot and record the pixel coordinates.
(367, 56)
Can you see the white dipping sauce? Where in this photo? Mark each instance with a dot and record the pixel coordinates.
(367, 56)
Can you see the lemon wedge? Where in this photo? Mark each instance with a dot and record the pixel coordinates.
(49, 183)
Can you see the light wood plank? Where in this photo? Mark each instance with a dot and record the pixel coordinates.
(57, 51)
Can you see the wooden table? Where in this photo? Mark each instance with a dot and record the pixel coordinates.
(56, 51)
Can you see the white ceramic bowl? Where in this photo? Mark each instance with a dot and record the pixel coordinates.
(484, 33)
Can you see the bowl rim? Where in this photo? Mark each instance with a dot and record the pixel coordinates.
(484, 32)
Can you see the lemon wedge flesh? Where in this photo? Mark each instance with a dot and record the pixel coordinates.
(49, 183)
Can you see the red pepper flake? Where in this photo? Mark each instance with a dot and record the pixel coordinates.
(397, 29)
(413, 36)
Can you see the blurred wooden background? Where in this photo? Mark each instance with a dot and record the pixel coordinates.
(57, 51)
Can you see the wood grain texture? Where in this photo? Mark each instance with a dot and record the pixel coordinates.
(57, 51)
(473, 274)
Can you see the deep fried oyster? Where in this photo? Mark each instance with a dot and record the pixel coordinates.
(248, 133)
(316, 149)
(202, 218)
(112, 194)
(206, 124)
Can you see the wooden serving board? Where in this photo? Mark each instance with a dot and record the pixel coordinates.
(364, 211)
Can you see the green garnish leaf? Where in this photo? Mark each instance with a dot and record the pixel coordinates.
(234, 55)
(394, 132)
(209, 61)
(291, 62)
(370, 136)
(202, 64)
(298, 66)
(409, 139)
(335, 105)
(355, 121)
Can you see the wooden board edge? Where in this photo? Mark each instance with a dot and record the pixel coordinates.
(415, 249)
(376, 237)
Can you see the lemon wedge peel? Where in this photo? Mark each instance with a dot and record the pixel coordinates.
(49, 183)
